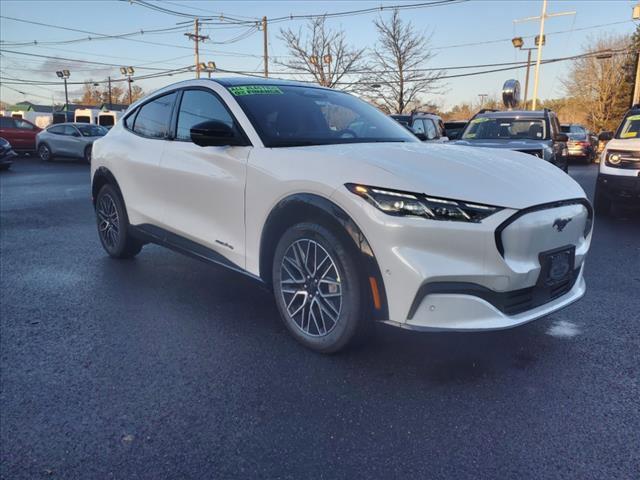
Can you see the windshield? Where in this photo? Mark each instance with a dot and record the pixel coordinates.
(577, 136)
(572, 129)
(629, 128)
(484, 128)
(92, 130)
(286, 116)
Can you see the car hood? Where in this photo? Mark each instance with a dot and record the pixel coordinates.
(624, 144)
(508, 144)
(488, 176)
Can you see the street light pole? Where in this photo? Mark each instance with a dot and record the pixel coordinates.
(539, 56)
(526, 80)
(64, 74)
(128, 71)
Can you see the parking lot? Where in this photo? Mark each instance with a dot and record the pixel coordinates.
(167, 367)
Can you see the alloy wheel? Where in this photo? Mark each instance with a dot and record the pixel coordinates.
(109, 221)
(311, 287)
(44, 153)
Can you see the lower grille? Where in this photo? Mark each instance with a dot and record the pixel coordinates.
(509, 303)
(519, 301)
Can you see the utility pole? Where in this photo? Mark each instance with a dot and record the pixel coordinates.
(482, 96)
(110, 102)
(636, 89)
(266, 47)
(197, 38)
(542, 19)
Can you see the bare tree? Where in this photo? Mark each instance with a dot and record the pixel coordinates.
(398, 66)
(598, 85)
(322, 52)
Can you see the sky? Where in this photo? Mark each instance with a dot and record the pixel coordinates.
(483, 27)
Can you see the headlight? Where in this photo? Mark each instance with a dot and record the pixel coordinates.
(398, 203)
(614, 158)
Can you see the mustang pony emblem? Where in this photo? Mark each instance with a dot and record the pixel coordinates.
(560, 223)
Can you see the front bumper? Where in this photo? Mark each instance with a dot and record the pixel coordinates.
(620, 187)
(470, 312)
(441, 275)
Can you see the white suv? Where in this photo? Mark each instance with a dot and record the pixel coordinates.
(619, 172)
(345, 214)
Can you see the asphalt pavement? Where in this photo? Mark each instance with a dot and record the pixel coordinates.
(165, 367)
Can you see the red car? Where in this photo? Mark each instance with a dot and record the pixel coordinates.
(21, 134)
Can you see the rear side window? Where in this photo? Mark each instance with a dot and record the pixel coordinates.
(7, 122)
(199, 106)
(418, 126)
(154, 118)
(58, 130)
(430, 129)
(69, 130)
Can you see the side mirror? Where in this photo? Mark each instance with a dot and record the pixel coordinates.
(213, 133)
(605, 136)
(561, 137)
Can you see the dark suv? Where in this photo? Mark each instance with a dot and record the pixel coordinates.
(428, 127)
(534, 132)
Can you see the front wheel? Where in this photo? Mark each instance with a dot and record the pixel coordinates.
(317, 288)
(44, 152)
(113, 224)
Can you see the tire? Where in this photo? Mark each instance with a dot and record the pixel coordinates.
(45, 153)
(113, 224)
(321, 299)
(601, 203)
(87, 154)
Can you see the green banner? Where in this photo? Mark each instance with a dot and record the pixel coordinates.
(255, 90)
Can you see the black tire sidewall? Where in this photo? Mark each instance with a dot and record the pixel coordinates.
(87, 154)
(349, 319)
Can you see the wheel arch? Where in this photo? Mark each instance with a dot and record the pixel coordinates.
(305, 207)
(102, 177)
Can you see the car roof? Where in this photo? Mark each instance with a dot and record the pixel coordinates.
(514, 113)
(237, 81)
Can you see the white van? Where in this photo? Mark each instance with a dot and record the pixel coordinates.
(86, 115)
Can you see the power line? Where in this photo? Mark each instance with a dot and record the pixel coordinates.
(115, 65)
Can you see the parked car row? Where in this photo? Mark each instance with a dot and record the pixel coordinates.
(342, 212)
(62, 139)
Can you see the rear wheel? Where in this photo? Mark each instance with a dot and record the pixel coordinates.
(113, 224)
(44, 152)
(601, 203)
(317, 288)
(87, 154)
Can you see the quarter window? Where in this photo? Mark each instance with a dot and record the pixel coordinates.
(58, 130)
(154, 118)
(198, 106)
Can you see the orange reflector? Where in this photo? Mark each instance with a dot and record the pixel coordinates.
(375, 293)
(361, 189)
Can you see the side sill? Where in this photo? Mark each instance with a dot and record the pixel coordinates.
(152, 234)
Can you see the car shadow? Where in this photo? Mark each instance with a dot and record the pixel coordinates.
(213, 301)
